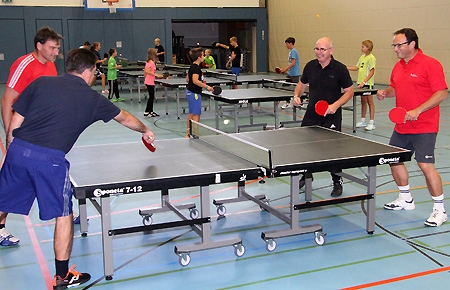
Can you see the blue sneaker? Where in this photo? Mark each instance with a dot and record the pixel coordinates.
(7, 239)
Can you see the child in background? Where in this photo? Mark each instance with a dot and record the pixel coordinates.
(209, 60)
(112, 76)
(366, 71)
(194, 87)
(149, 75)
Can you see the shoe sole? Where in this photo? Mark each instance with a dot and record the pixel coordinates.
(434, 225)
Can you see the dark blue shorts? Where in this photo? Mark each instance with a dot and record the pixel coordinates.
(34, 172)
(421, 145)
(194, 102)
(236, 70)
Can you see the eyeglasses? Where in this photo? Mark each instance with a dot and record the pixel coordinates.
(321, 49)
(399, 44)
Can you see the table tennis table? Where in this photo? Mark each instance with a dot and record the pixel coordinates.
(214, 157)
(244, 99)
(179, 84)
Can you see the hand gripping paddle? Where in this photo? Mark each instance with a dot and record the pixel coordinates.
(217, 90)
(150, 146)
(278, 70)
(397, 115)
(321, 107)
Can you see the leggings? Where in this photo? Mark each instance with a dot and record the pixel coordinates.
(113, 89)
(151, 98)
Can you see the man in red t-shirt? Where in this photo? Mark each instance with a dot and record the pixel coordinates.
(23, 71)
(418, 83)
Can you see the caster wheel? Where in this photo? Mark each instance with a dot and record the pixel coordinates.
(271, 245)
(147, 220)
(319, 237)
(221, 210)
(239, 250)
(184, 259)
(108, 278)
(84, 234)
(194, 213)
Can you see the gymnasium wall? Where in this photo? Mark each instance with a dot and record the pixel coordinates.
(349, 22)
(136, 30)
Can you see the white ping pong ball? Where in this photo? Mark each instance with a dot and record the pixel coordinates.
(226, 121)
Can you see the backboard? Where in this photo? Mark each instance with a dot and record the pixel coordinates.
(99, 5)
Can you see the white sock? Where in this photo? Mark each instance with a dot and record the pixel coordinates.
(371, 122)
(439, 202)
(405, 193)
(363, 120)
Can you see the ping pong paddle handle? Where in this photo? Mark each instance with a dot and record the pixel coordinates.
(150, 146)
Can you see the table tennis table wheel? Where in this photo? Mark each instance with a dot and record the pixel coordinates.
(239, 250)
(194, 213)
(184, 259)
(271, 245)
(319, 237)
(147, 220)
(221, 210)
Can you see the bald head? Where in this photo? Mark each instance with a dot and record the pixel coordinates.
(323, 50)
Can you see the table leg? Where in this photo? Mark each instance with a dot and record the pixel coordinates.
(108, 264)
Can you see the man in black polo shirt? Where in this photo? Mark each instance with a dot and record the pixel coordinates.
(326, 78)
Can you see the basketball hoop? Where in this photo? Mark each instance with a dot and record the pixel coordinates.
(112, 9)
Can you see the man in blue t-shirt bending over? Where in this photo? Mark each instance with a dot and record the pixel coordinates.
(49, 116)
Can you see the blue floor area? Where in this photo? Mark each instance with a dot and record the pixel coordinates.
(401, 254)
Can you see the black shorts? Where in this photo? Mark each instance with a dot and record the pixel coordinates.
(422, 145)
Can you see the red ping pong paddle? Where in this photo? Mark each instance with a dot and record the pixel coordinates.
(217, 90)
(278, 70)
(150, 146)
(397, 115)
(321, 107)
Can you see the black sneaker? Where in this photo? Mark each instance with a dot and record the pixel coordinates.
(72, 279)
(337, 188)
(153, 114)
(301, 182)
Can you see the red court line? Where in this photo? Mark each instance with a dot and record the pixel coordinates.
(39, 254)
(397, 279)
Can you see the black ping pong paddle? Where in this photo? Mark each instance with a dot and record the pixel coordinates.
(105, 55)
(166, 75)
(217, 90)
(150, 146)
(397, 115)
(278, 70)
(213, 44)
(321, 107)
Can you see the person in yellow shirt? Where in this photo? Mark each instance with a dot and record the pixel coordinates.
(366, 72)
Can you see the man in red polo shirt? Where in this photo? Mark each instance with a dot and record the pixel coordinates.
(418, 84)
(23, 71)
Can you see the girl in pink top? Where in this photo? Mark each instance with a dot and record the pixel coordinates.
(150, 74)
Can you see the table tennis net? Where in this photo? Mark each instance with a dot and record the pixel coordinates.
(232, 144)
(281, 85)
(221, 75)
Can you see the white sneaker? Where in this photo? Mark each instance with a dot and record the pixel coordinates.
(370, 127)
(105, 91)
(437, 218)
(7, 239)
(361, 124)
(286, 105)
(400, 204)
